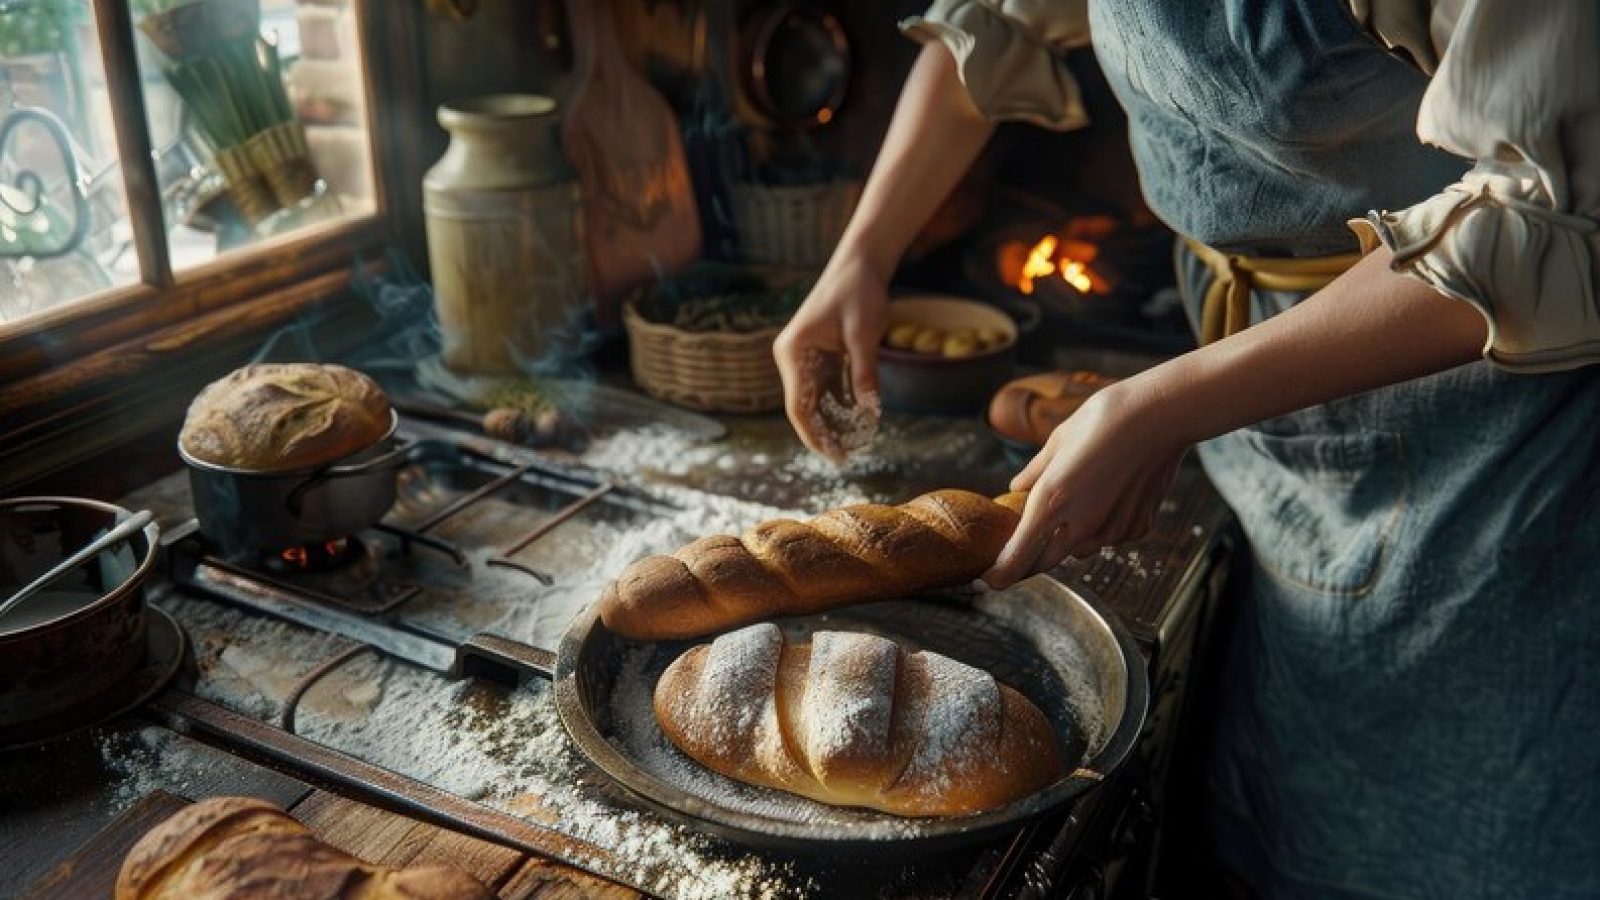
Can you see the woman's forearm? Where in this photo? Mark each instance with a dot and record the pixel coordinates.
(932, 141)
(1370, 327)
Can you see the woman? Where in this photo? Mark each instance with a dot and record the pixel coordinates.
(1412, 702)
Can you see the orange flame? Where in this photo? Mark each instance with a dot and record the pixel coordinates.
(1039, 264)
(1043, 261)
(1077, 275)
(301, 556)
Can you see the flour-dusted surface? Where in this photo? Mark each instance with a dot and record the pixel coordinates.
(763, 463)
(849, 700)
(958, 720)
(508, 750)
(733, 706)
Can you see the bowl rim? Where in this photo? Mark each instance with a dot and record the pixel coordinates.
(151, 534)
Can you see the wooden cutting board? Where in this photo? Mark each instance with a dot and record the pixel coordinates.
(622, 137)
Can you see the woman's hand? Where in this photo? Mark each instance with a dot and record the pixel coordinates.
(840, 323)
(1098, 481)
(932, 140)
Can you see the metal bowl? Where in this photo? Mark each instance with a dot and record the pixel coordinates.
(254, 509)
(86, 632)
(1048, 641)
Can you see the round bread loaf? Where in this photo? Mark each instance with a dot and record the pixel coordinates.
(281, 416)
(1029, 408)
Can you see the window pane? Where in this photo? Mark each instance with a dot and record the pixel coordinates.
(257, 113)
(63, 215)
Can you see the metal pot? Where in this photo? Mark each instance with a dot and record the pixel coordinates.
(85, 633)
(253, 509)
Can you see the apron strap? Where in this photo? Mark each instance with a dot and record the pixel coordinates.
(1225, 309)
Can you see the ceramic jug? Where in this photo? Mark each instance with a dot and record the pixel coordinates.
(503, 215)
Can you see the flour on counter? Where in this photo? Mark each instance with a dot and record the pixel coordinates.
(580, 557)
(508, 750)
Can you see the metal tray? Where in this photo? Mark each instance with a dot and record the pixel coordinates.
(1051, 642)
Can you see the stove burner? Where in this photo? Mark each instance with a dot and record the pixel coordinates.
(346, 572)
(322, 557)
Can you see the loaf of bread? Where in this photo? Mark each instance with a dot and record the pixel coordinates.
(854, 720)
(1029, 408)
(783, 567)
(241, 848)
(281, 416)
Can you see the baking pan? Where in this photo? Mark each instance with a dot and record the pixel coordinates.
(1051, 642)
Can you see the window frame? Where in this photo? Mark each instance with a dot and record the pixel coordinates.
(225, 294)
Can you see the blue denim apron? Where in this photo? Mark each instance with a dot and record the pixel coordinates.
(1411, 702)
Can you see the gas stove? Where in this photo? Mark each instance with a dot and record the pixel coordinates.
(409, 664)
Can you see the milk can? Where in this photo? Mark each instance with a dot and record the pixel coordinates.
(502, 210)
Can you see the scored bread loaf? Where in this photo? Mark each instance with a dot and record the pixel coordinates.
(242, 848)
(783, 567)
(280, 416)
(855, 720)
(1027, 409)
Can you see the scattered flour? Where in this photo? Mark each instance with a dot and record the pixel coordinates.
(850, 427)
(508, 750)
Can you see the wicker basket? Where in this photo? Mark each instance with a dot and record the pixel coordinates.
(792, 225)
(709, 371)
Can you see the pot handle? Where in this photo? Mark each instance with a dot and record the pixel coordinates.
(393, 459)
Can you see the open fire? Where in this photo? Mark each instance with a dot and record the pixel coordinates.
(1063, 260)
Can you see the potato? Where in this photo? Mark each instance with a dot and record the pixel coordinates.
(902, 336)
(991, 337)
(928, 340)
(960, 344)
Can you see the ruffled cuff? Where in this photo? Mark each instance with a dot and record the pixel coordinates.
(1493, 240)
(1012, 67)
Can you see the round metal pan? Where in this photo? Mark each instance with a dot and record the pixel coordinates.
(1051, 642)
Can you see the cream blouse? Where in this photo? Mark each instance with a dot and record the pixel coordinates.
(1515, 85)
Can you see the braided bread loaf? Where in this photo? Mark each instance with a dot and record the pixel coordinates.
(852, 719)
(248, 849)
(783, 567)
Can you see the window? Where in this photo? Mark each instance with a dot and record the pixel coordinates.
(162, 159)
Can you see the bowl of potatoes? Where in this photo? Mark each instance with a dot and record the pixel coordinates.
(944, 355)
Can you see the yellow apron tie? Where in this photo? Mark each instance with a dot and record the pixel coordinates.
(1225, 309)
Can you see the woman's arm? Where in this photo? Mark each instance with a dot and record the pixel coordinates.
(1103, 473)
(936, 134)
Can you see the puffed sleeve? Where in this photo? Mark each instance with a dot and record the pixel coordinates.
(1010, 55)
(1517, 237)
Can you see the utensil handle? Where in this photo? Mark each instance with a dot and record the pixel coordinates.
(501, 659)
(120, 532)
